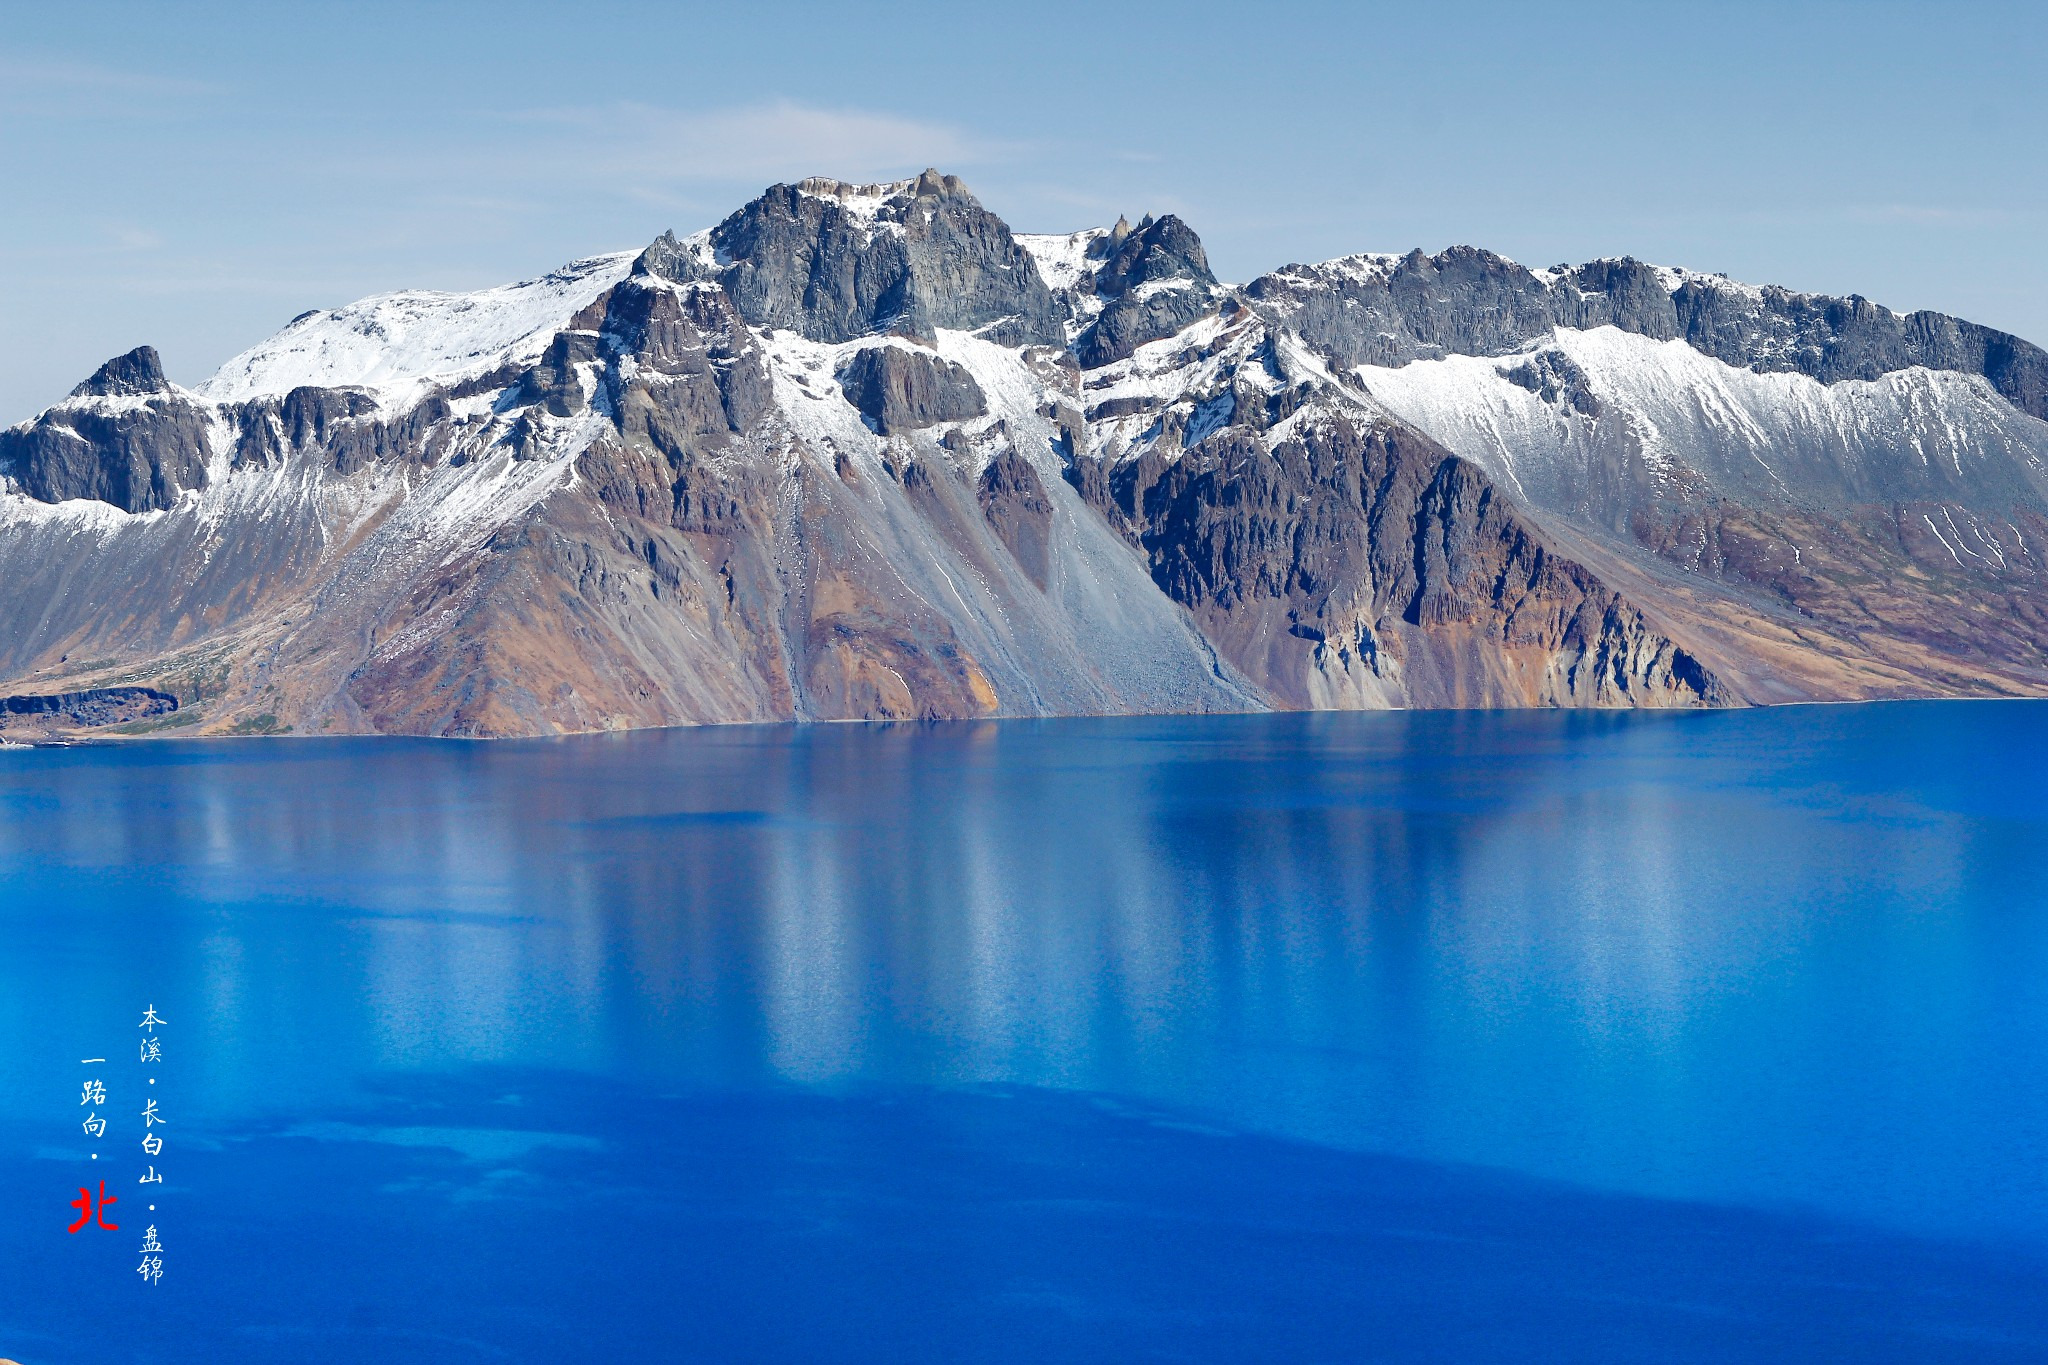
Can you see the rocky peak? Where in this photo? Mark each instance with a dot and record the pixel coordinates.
(1102, 246)
(126, 376)
(835, 261)
(927, 184)
(1154, 280)
(137, 456)
(1156, 250)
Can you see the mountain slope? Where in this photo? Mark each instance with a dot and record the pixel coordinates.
(861, 452)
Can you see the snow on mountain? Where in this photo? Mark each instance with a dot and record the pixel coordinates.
(1062, 257)
(1583, 400)
(1675, 278)
(398, 343)
(829, 459)
(869, 206)
(1364, 267)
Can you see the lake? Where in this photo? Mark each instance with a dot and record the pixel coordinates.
(1404, 1036)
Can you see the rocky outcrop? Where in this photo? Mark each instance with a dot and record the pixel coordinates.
(1556, 379)
(1387, 311)
(1015, 501)
(903, 388)
(135, 450)
(556, 383)
(1360, 564)
(835, 262)
(1154, 281)
(134, 375)
(91, 707)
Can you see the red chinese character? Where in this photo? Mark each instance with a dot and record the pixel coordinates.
(84, 1205)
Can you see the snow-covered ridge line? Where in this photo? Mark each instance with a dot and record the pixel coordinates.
(396, 344)
(110, 404)
(1376, 267)
(1612, 398)
(1675, 278)
(1360, 267)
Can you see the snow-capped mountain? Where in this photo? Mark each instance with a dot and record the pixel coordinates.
(861, 451)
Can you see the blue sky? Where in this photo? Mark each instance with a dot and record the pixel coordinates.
(193, 177)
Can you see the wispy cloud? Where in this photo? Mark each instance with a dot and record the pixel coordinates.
(1822, 215)
(130, 238)
(685, 163)
(643, 144)
(56, 76)
(1931, 215)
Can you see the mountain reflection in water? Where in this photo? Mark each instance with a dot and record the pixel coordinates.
(1407, 1036)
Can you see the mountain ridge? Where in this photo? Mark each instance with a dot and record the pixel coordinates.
(861, 451)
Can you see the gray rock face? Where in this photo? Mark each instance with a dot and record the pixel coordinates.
(1014, 500)
(684, 384)
(345, 427)
(898, 388)
(836, 262)
(92, 706)
(1834, 339)
(1155, 251)
(1552, 376)
(131, 375)
(1624, 293)
(1154, 281)
(138, 457)
(1465, 301)
(646, 511)
(1365, 560)
(554, 383)
(698, 377)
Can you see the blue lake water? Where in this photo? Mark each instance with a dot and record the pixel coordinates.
(1445, 1037)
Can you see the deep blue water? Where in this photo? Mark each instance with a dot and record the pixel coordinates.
(1404, 1037)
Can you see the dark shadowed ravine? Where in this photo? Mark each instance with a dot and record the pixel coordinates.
(1709, 1036)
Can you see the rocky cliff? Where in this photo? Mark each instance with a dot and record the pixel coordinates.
(860, 451)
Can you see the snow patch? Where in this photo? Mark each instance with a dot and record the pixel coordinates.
(1672, 409)
(1355, 271)
(865, 205)
(1062, 260)
(398, 344)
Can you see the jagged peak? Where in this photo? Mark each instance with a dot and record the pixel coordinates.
(930, 183)
(679, 260)
(1158, 249)
(133, 375)
(834, 260)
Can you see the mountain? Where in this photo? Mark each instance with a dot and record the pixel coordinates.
(861, 451)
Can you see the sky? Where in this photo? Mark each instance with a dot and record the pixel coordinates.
(194, 176)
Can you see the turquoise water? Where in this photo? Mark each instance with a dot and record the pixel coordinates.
(1409, 1036)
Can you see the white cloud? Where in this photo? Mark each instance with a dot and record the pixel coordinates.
(640, 144)
(688, 164)
(130, 238)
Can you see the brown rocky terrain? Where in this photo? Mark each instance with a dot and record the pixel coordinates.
(860, 452)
